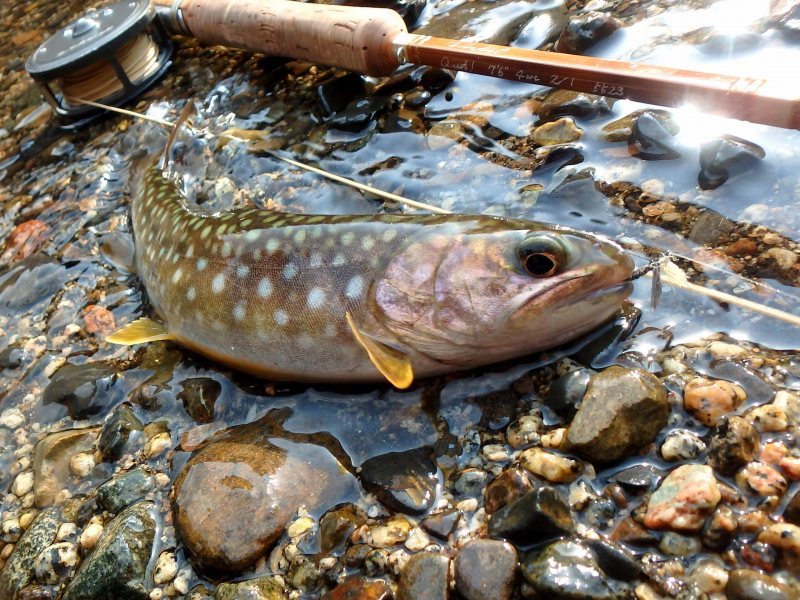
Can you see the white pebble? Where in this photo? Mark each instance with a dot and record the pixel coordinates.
(81, 464)
(299, 526)
(67, 532)
(12, 418)
(23, 484)
(157, 445)
(10, 530)
(166, 568)
(88, 539)
(417, 539)
(495, 452)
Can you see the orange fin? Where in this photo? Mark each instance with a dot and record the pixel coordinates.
(393, 364)
(139, 332)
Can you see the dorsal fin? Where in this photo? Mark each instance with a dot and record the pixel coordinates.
(188, 109)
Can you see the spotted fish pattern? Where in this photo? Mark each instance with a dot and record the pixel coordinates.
(268, 292)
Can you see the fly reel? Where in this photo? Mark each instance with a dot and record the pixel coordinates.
(109, 55)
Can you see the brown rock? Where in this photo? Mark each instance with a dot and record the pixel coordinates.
(424, 577)
(358, 588)
(242, 475)
(51, 461)
(732, 444)
(98, 320)
(24, 240)
(486, 569)
(505, 488)
(761, 479)
(623, 410)
(745, 584)
(711, 399)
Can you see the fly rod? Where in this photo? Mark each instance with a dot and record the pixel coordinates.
(375, 42)
(112, 53)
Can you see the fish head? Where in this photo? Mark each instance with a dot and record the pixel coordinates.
(478, 296)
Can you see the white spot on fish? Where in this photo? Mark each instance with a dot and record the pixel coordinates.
(240, 311)
(281, 318)
(265, 288)
(218, 283)
(315, 260)
(289, 271)
(190, 252)
(355, 287)
(191, 294)
(330, 330)
(252, 235)
(316, 298)
(338, 260)
(272, 245)
(367, 243)
(305, 342)
(226, 250)
(300, 236)
(176, 276)
(389, 235)
(242, 271)
(348, 238)
(202, 263)
(205, 232)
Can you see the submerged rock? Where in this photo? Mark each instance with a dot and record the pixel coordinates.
(76, 387)
(566, 103)
(117, 431)
(725, 157)
(567, 391)
(710, 399)
(261, 588)
(19, 568)
(51, 461)
(247, 470)
(358, 588)
(623, 410)
(117, 566)
(442, 524)
(652, 139)
(199, 394)
(585, 30)
(746, 584)
(560, 131)
(403, 481)
(486, 569)
(568, 570)
(620, 130)
(732, 444)
(124, 489)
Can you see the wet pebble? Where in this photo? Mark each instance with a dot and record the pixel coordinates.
(98, 320)
(537, 516)
(746, 584)
(566, 570)
(566, 103)
(555, 468)
(118, 430)
(638, 478)
(393, 532)
(724, 157)
(76, 386)
(719, 529)
(682, 444)
(652, 139)
(336, 525)
(620, 130)
(711, 399)
(761, 479)
(623, 410)
(683, 500)
(12, 418)
(505, 488)
(199, 394)
(125, 489)
(486, 569)
(24, 240)
(792, 511)
(567, 391)
(424, 577)
(260, 588)
(675, 544)
(441, 525)
(732, 444)
(358, 114)
(584, 31)
(117, 565)
(560, 131)
(166, 568)
(56, 562)
(359, 588)
(403, 481)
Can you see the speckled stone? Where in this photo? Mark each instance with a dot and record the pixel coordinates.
(732, 444)
(19, 569)
(117, 565)
(486, 569)
(683, 500)
(125, 489)
(261, 588)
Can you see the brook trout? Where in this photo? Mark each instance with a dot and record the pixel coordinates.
(331, 298)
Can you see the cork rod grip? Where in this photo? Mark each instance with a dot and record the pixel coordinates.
(359, 39)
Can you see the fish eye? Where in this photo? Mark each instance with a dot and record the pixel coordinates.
(542, 256)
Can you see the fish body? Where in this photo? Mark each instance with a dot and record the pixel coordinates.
(334, 298)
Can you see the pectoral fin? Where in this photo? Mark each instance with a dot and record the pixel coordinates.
(393, 364)
(139, 332)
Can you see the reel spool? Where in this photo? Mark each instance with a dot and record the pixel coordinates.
(109, 55)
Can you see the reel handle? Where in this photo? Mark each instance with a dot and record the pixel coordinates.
(354, 38)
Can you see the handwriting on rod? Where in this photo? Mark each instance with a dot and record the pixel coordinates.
(507, 72)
